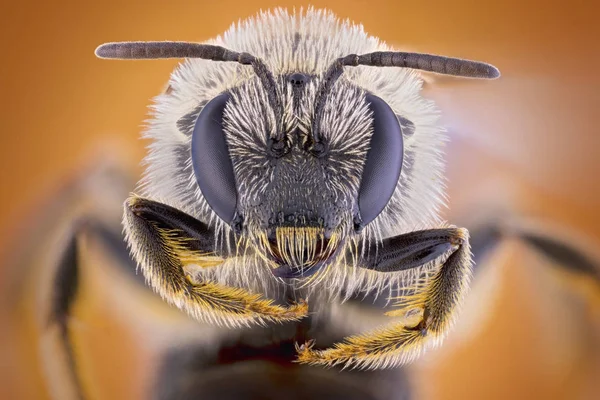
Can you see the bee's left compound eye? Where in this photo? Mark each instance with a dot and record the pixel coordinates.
(210, 158)
(383, 165)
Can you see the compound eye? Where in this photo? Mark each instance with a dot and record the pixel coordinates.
(211, 161)
(383, 165)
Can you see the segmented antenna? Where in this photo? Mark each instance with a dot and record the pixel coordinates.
(154, 50)
(424, 62)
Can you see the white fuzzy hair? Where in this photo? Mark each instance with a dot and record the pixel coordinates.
(317, 37)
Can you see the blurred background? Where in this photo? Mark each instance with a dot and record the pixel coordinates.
(523, 157)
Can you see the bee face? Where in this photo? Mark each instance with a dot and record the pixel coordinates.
(296, 201)
(319, 159)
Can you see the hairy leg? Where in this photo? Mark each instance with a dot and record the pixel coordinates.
(437, 302)
(164, 240)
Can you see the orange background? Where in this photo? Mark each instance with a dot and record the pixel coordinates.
(526, 144)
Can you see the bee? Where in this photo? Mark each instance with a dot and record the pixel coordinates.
(294, 163)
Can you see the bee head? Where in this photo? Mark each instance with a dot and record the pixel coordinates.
(297, 162)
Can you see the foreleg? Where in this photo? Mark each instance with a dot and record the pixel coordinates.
(164, 240)
(437, 301)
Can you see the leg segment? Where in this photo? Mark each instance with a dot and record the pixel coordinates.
(57, 347)
(438, 301)
(164, 240)
(65, 290)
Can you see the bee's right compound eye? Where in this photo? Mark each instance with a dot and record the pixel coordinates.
(211, 161)
(383, 164)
